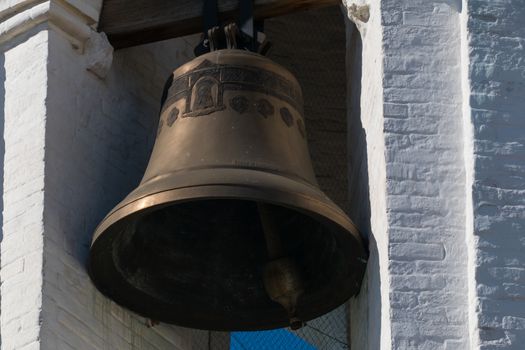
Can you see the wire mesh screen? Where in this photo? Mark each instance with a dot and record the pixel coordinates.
(276, 339)
(327, 332)
(312, 45)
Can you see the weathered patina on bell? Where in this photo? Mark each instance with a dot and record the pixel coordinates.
(228, 229)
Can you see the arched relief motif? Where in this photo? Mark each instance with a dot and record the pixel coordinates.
(203, 92)
(206, 97)
(203, 88)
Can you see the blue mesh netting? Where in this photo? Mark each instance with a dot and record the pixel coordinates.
(279, 339)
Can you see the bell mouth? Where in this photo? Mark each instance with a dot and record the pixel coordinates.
(195, 257)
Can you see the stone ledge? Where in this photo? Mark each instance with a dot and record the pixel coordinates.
(74, 18)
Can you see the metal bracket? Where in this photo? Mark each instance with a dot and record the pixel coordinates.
(250, 37)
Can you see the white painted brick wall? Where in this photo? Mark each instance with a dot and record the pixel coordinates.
(99, 135)
(423, 133)
(23, 91)
(415, 143)
(497, 83)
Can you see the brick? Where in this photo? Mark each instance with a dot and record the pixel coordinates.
(452, 344)
(425, 19)
(417, 251)
(510, 322)
(418, 282)
(395, 110)
(426, 222)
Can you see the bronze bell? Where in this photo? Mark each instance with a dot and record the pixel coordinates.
(228, 229)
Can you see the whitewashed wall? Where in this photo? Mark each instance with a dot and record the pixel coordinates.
(423, 133)
(452, 81)
(23, 92)
(412, 113)
(497, 99)
(78, 129)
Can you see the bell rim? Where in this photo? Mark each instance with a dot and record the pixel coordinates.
(331, 211)
(351, 287)
(253, 179)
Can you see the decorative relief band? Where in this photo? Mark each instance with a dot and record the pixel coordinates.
(207, 76)
(202, 92)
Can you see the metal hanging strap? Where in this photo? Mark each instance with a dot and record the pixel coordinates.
(243, 36)
(246, 24)
(210, 30)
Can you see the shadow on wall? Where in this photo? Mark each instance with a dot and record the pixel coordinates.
(96, 156)
(99, 142)
(365, 319)
(359, 208)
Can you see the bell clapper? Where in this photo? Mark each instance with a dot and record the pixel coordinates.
(273, 241)
(282, 279)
